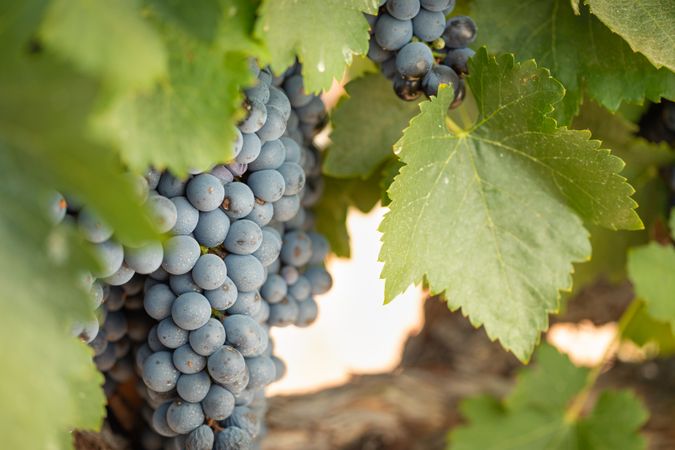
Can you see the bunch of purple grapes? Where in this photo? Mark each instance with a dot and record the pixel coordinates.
(419, 49)
(190, 317)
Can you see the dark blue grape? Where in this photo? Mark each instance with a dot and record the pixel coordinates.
(247, 303)
(239, 200)
(244, 334)
(180, 284)
(218, 403)
(274, 126)
(307, 313)
(279, 100)
(205, 192)
(429, 25)
(158, 300)
(249, 152)
(210, 271)
(92, 227)
(184, 417)
(243, 238)
(162, 212)
(460, 31)
(274, 289)
(293, 176)
(403, 9)
(110, 255)
(208, 338)
(222, 297)
(380, 55)
(159, 423)
(145, 259)
(295, 90)
(407, 89)
(293, 150)
(286, 207)
(261, 371)
(437, 76)
(272, 155)
(296, 249)
(170, 334)
(212, 228)
(414, 60)
(186, 360)
(246, 271)
(200, 439)
(262, 213)
(226, 365)
(458, 59)
(190, 311)
(392, 33)
(180, 254)
(233, 438)
(437, 5)
(301, 289)
(270, 248)
(193, 387)
(319, 278)
(284, 313)
(256, 115)
(159, 373)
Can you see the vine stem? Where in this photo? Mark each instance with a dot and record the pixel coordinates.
(576, 407)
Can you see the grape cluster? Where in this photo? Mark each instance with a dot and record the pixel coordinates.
(191, 317)
(418, 49)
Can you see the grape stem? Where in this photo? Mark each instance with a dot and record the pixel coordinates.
(577, 405)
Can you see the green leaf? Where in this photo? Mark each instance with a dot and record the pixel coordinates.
(648, 26)
(645, 330)
(49, 384)
(533, 416)
(45, 107)
(651, 268)
(187, 121)
(579, 50)
(671, 223)
(323, 34)
(331, 211)
(366, 125)
(613, 423)
(389, 172)
(495, 213)
(642, 159)
(105, 38)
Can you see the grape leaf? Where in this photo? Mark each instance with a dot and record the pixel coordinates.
(323, 34)
(651, 268)
(365, 127)
(188, 121)
(579, 50)
(45, 107)
(648, 26)
(642, 159)
(495, 212)
(532, 417)
(49, 384)
(671, 223)
(105, 38)
(643, 329)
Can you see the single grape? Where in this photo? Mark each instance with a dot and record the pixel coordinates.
(270, 248)
(246, 271)
(244, 334)
(301, 289)
(307, 313)
(233, 438)
(121, 277)
(279, 100)
(243, 417)
(237, 169)
(152, 178)
(210, 271)
(403, 9)
(261, 371)
(153, 340)
(294, 177)
(437, 76)
(262, 213)
(260, 93)
(250, 150)
(205, 192)
(145, 259)
(190, 311)
(159, 423)
(280, 366)
(239, 200)
(380, 55)
(274, 126)
(263, 313)
(256, 115)
(162, 212)
(248, 303)
(224, 296)
(460, 31)
(286, 207)
(158, 300)
(208, 338)
(392, 33)
(180, 254)
(295, 90)
(312, 113)
(388, 68)
(115, 326)
(170, 334)
(296, 249)
(170, 186)
(218, 403)
(272, 155)
(414, 60)
(222, 173)
(458, 59)
(243, 238)
(320, 247)
(226, 365)
(159, 373)
(106, 360)
(180, 284)
(293, 150)
(200, 439)
(407, 89)
(429, 25)
(212, 228)
(193, 387)
(92, 227)
(319, 278)
(290, 274)
(284, 313)
(186, 360)
(184, 417)
(110, 255)
(274, 289)
(89, 330)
